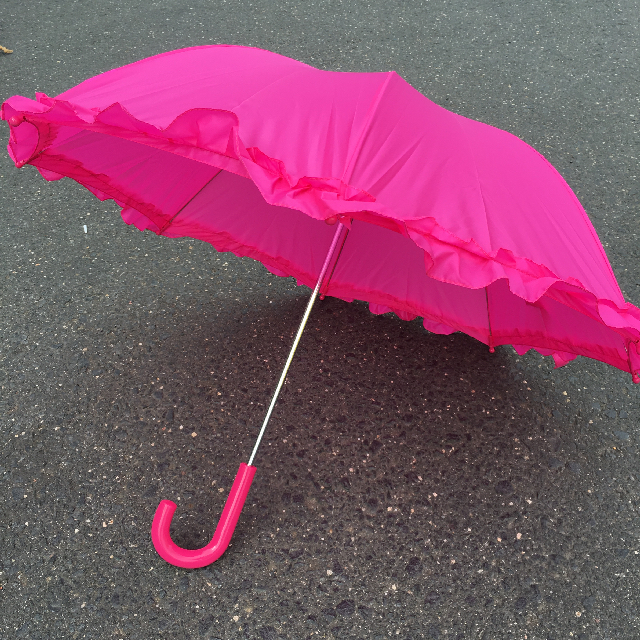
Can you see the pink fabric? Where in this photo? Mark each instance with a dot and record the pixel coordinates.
(451, 220)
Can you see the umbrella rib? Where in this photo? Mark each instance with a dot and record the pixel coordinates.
(283, 375)
(373, 107)
(486, 295)
(188, 202)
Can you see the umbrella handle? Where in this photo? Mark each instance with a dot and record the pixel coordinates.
(194, 559)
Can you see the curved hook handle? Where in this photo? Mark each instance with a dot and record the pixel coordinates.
(194, 559)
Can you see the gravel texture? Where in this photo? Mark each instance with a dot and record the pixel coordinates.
(410, 485)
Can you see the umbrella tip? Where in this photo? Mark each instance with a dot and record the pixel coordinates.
(492, 349)
(636, 378)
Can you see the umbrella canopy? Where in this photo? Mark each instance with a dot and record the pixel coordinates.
(450, 219)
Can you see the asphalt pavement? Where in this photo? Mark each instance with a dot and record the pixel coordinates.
(410, 485)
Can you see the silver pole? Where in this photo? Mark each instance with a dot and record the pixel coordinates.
(312, 299)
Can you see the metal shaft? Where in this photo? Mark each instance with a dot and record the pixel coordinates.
(312, 299)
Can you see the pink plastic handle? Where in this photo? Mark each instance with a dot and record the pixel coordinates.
(194, 559)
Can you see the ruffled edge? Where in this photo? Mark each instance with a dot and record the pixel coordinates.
(319, 198)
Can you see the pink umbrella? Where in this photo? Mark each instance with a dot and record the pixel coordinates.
(439, 216)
